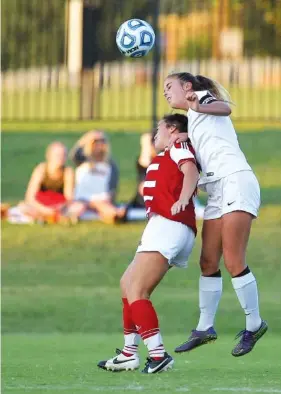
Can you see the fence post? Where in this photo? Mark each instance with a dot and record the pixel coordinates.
(156, 62)
(87, 94)
(75, 37)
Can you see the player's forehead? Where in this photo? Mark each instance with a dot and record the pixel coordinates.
(160, 123)
(168, 81)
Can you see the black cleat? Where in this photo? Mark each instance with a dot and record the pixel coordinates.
(156, 366)
(248, 340)
(196, 339)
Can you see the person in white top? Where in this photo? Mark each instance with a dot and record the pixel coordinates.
(233, 202)
(96, 177)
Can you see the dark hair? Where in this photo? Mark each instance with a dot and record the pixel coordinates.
(199, 83)
(178, 120)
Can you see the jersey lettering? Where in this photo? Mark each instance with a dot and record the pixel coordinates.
(163, 184)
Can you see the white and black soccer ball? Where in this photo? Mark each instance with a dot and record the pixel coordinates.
(135, 38)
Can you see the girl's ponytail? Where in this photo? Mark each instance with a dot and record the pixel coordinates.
(214, 88)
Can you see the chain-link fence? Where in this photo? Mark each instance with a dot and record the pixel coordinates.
(236, 42)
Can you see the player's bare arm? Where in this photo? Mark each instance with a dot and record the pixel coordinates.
(190, 180)
(217, 108)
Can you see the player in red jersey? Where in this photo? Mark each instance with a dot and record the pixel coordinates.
(167, 241)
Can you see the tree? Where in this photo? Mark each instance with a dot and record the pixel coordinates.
(112, 14)
(33, 33)
(262, 27)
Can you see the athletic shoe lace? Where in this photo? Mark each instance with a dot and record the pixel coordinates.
(247, 336)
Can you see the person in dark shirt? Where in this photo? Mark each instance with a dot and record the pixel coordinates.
(147, 153)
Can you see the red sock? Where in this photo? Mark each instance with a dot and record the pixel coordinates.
(146, 321)
(128, 323)
(131, 335)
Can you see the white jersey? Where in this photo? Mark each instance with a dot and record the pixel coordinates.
(215, 143)
(91, 183)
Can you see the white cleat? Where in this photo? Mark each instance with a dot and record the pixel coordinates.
(120, 362)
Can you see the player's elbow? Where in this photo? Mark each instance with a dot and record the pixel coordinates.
(227, 110)
(190, 169)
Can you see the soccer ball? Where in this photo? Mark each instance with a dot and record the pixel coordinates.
(135, 38)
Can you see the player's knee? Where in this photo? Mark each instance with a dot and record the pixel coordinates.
(235, 267)
(234, 261)
(208, 265)
(136, 291)
(123, 285)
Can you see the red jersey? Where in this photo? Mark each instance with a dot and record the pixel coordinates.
(163, 184)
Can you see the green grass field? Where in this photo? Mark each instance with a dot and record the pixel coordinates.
(127, 103)
(61, 311)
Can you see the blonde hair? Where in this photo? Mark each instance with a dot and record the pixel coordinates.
(53, 145)
(199, 83)
(88, 147)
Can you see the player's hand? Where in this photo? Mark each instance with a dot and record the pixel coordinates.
(193, 101)
(179, 206)
(182, 137)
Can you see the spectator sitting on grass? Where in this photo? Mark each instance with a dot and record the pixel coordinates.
(97, 176)
(49, 194)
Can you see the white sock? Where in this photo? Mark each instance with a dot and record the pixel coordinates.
(210, 290)
(131, 343)
(155, 346)
(247, 293)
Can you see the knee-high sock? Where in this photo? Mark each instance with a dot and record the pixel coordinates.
(146, 321)
(210, 291)
(246, 289)
(131, 335)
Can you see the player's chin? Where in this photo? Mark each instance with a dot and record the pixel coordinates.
(170, 101)
(175, 104)
(158, 146)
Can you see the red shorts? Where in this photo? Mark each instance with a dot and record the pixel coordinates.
(50, 198)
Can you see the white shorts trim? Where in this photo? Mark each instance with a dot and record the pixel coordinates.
(239, 191)
(172, 239)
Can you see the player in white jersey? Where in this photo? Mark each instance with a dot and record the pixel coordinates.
(233, 202)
